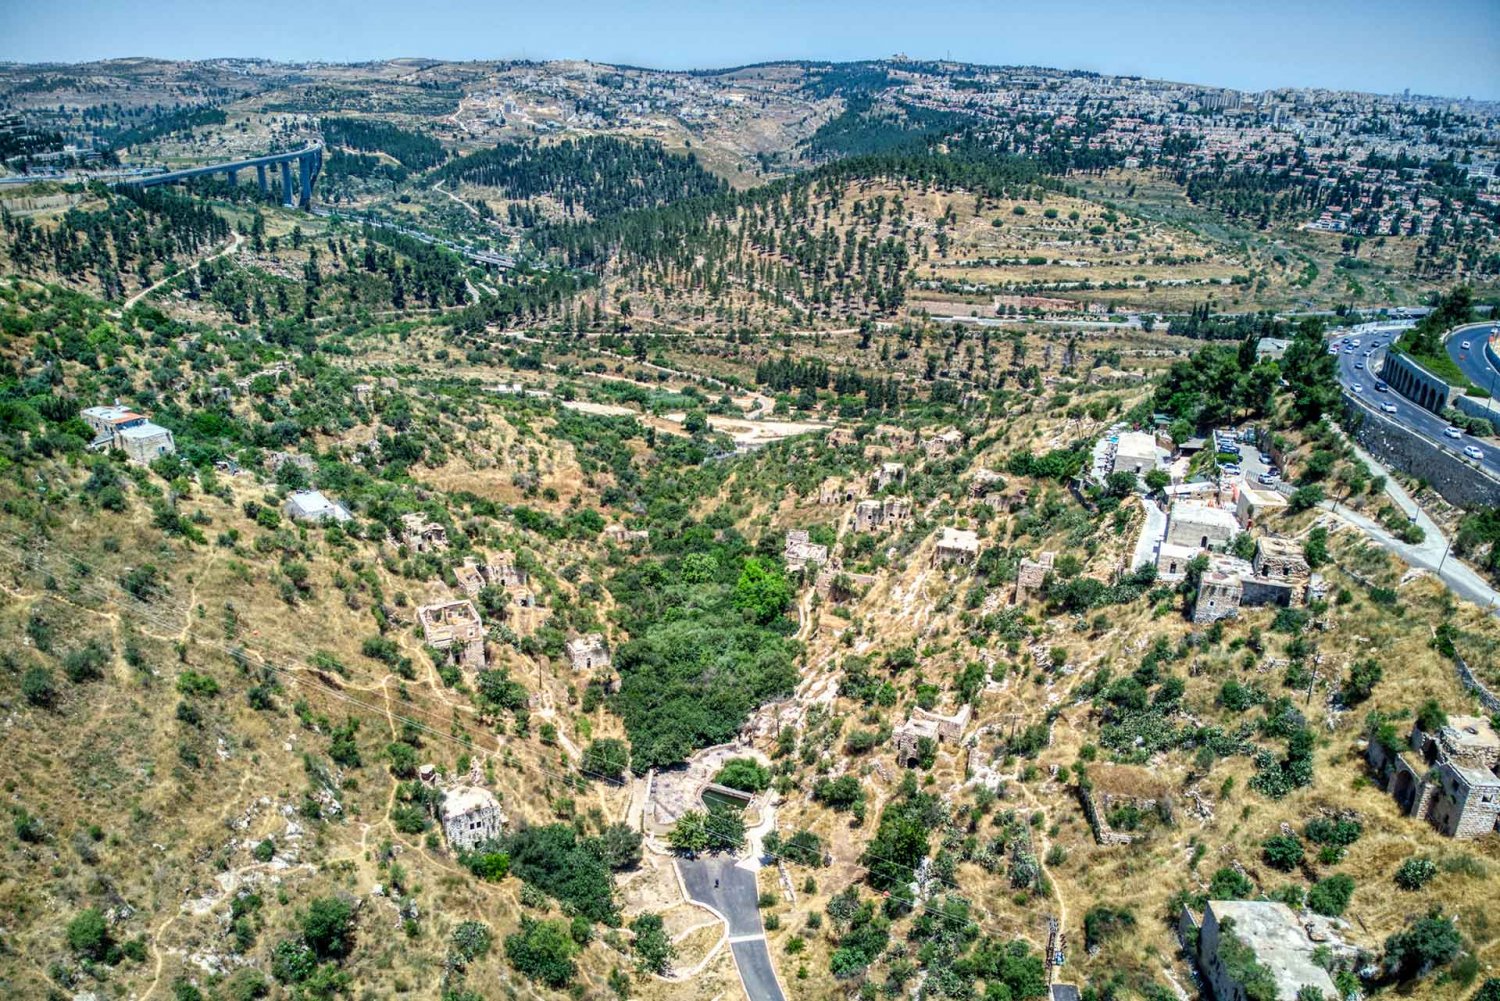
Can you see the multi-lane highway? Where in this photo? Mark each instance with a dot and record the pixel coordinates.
(1358, 367)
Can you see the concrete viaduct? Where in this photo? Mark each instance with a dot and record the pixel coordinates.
(309, 161)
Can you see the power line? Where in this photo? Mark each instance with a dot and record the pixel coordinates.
(31, 559)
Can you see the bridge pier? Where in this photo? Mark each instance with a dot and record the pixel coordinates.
(305, 167)
(232, 176)
(260, 175)
(287, 198)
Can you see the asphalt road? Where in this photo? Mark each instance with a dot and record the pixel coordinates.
(1354, 369)
(1472, 362)
(734, 898)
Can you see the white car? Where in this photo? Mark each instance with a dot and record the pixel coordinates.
(1390, 408)
(1453, 432)
(1357, 388)
(1473, 452)
(1465, 345)
(1359, 365)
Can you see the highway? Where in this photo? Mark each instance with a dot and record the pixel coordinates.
(1376, 339)
(1472, 362)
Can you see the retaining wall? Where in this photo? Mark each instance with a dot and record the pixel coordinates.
(1457, 481)
(1487, 698)
(1414, 382)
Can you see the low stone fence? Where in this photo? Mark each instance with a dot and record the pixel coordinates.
(1487, 698)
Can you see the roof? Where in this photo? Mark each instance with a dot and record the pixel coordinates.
(146, 430)
(1279, 941)
(1184, 512)
(312, 503)
(1136, 443)
(467, 799)
(1064, 992)
(1261, 498)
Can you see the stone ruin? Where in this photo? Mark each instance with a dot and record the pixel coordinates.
(800, 550)
(454, 626)
(1032, 575)
(956, 547)
(588, 653)
(925, 724)
(1447, 777)
(421, 535)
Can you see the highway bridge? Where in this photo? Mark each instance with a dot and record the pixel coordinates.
(308, 160)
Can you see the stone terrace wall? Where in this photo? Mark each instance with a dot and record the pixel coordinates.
(1456, 480)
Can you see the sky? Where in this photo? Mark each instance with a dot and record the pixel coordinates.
(1446, 47)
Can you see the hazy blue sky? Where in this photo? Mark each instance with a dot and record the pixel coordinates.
(1449, 47)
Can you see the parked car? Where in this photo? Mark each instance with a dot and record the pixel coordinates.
(1390, 408)
(1464, 345)
(1473, 452)
(1359, 364)
(1357, 388)
(1230, 469)
(1265, 459)
(1453, 432)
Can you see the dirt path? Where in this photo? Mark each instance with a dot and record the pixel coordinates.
(234, 245)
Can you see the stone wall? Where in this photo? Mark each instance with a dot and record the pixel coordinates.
(1415, 383)
(1487, 698)
(1457, 481)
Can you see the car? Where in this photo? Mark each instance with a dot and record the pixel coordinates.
(1268, 478)
(1359, 365)
(1355, 342)
(1357, 388)
(1381, 387)
(1390, 408)
(1464, 345)
(1453, 432)
(1264, 458)
(1473, 452)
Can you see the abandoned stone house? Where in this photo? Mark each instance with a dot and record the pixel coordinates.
(985, 482)
(956, 547)
(897, 438)
(927, 725)
(1200, 526)
(312, 505)
(454, 626)
(1112, 787)
(1298, 952)
(836, 491)
(890, 473)
(887, 512)
(800, 550)
(943, 443)
(835, 584)
(119, 427)
(1280, 559)
(471, 816)
(588, 653)
(1230, 584)
(620, 535)
(474, 576)
(421, 535)
(839, 437)
(1032, 575)
(1446, 778)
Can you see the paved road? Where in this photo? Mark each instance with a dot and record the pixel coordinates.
(1152, 532)
(1472, 361)
(1355, 369)
(734, 899)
